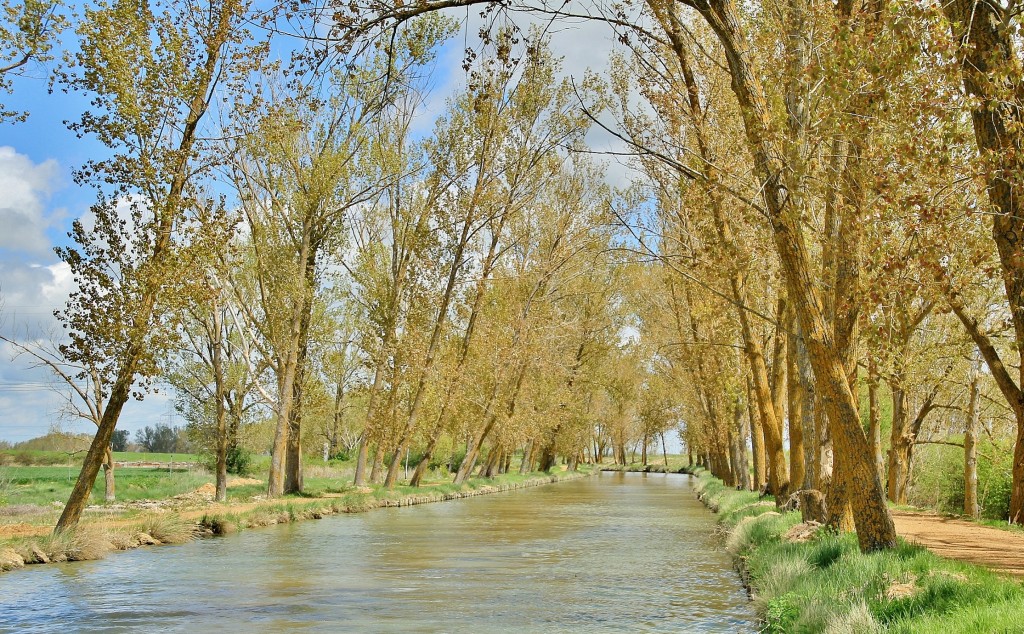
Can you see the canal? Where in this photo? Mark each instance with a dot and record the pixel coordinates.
(612, 553)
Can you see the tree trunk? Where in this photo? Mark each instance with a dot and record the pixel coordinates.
(378, 463)
(742, 431)
(795, 396)
(756, 438)
(874, 418)
(108, 476)
(94, 458)
(991, 77)
(898, 447)
(524, 466)
(971, 447)
(875, 529)
(807, 415)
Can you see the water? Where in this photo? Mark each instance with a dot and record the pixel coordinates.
(615, 553)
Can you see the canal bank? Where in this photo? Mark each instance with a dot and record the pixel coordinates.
(803, 579)
(200, 517)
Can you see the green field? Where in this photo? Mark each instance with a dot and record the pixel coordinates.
(45, 486)
(33, 457)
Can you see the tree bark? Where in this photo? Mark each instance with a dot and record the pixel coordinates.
(795, 396)
(109, 493)
(874, 417)
(875, 529)
(756, 438)
(990, 71)
(971, 447)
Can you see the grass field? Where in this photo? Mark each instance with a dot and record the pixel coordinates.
(32, 457)
(44, 486)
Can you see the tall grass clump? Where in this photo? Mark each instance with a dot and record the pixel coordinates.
(168, 528)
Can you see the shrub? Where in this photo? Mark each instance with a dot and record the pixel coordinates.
(780, 613)
(939, 479)
(239, 461)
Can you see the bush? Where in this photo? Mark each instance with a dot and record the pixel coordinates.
(239, 461)
(939, 479)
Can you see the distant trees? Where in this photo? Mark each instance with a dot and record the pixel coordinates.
(162, 438)
(801, 211)
(119, 441)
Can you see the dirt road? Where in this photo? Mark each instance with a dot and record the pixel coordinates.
(966, 541)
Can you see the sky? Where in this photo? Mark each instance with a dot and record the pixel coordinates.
(39, 200)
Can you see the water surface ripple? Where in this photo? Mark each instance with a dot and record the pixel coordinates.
(614, 553)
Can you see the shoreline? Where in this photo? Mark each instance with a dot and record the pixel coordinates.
(94, 540)
(651, 468)
(805, 578)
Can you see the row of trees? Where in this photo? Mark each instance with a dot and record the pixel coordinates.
(303, 250)
(805, 233)
(823, 223)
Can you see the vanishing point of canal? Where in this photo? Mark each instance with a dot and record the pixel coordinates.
(613, 553)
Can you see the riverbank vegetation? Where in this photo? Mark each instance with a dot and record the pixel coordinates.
(814, 271)
(184, 517)
(812, 579)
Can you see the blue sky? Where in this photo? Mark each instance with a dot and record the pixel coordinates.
(39, 200)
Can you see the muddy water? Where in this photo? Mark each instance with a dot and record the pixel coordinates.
(614, 553)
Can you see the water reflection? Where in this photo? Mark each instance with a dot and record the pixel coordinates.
(619, 552)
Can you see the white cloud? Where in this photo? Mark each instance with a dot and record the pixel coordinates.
(33, 283)
(24, 189)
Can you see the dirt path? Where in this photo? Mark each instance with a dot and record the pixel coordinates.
(965, 541)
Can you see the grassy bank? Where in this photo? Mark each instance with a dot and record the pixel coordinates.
(94, 540)
(824, 584)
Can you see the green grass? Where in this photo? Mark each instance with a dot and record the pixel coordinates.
(44, 485)
(35, 457)
(828, 585)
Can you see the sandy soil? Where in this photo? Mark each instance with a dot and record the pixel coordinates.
(957, 539)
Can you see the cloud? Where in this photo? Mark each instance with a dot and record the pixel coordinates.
(32, 281)
(24, 189)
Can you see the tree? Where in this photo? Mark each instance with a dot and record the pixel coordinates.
(80, 387)
(28, 30)
(119, 441)
(151, 71)
(991, 77)
(161, 438)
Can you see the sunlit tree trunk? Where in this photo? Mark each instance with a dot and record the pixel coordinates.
(991, 75)
(875, 417)
(757, 438)
(971, 447)
(875, 529)
(109, 493)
